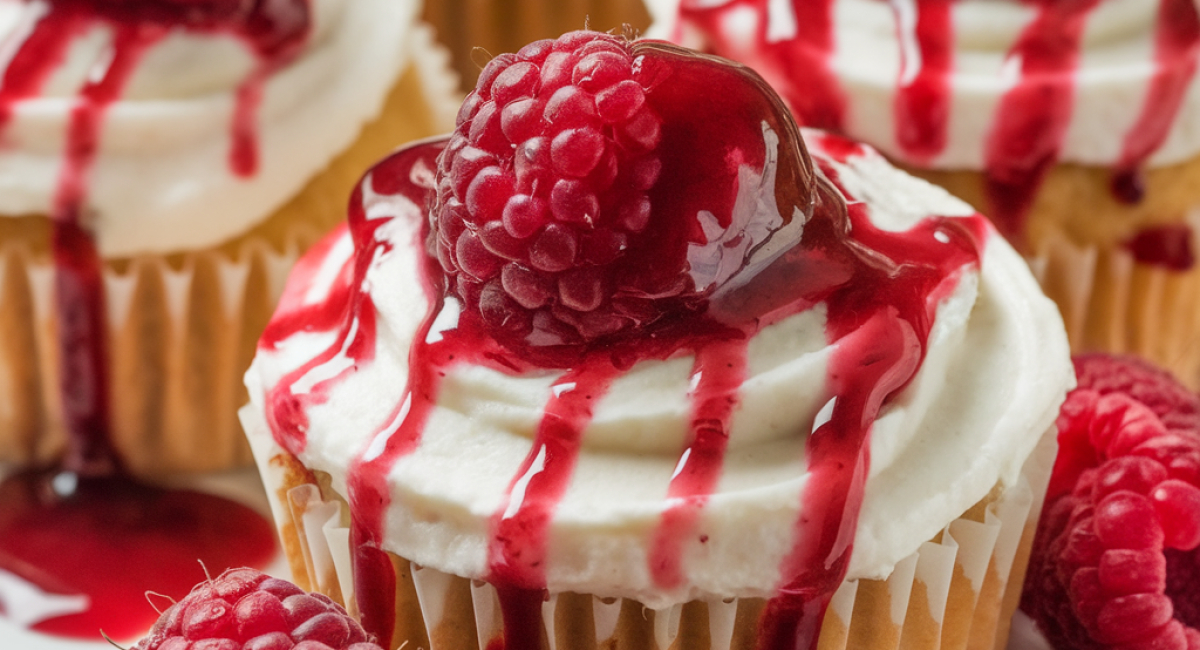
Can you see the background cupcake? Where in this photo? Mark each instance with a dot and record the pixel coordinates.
(675, 441)
(1071, 124)
(163, 165)
(476, 30)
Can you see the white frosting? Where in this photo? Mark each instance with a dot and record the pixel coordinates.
(991, 385)
(162, 179)
(1116, 65)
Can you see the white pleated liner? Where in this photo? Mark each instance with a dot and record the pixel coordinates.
(962, 573)
(1112, 303)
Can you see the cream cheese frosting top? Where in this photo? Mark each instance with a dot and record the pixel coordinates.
(207, 135)
(966, 84)
(995, 371)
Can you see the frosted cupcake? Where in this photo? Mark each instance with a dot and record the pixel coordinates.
(162, 166)
(1073, 125)
(590, 371)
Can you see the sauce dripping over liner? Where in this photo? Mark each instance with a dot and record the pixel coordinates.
(881, 291)
(66, 529)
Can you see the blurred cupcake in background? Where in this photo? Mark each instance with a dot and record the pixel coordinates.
(477, 30)
(162, 164)
(1074, 125)
(627, 362)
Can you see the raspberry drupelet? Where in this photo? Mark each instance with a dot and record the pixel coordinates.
(244, 609)
(1115, 562)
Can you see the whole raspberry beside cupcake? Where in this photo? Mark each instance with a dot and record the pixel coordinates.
(1115, 562)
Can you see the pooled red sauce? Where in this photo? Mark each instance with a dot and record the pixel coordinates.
(1026, 133)
(113, 540)
(881, 290)
(109, 537)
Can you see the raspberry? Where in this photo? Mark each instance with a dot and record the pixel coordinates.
(543, 184)
(243, 609)
(1117, 554)
(587, 193)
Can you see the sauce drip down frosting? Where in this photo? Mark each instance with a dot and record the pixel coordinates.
(645, 463)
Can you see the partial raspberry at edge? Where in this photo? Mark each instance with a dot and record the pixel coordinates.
(244, 609)
(1115, 556)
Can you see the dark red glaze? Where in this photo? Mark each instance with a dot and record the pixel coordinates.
(110, 518)
(1171, 247)
(114, 540)
(881, 289)
(1032, 118)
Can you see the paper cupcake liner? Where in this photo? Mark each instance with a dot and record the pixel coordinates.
(477, 30)
(182, 328)
(953, 593)
(1112, 303)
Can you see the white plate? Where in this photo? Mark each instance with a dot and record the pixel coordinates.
(243, 486)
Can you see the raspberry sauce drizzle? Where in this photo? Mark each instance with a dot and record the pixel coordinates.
(1027, 130)
(1176, 47)
(1032, 117)
(87, 509)
(717, 374)
(925, 31)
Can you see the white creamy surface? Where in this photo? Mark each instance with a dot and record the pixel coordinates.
(992, 383)
(162, 179)
(1117, 62)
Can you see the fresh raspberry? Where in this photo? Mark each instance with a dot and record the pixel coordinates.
(244, 609)
(1154, 387)
(1115, 560)
(596, 187)
(543, 185)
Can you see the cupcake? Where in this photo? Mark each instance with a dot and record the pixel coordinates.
(592, 371)
(1115, 558)
(1073, 125)
(163, 164)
